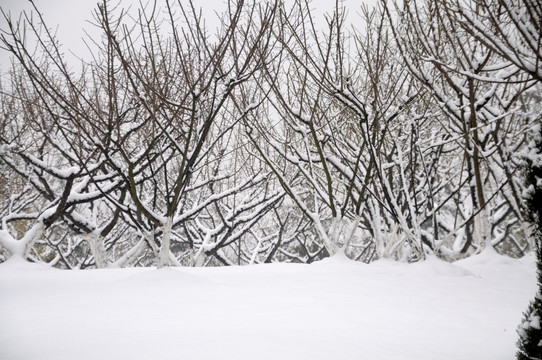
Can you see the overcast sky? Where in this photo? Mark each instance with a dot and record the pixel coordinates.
(69, 18)
(68, 15)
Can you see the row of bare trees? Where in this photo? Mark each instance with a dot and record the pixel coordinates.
(275, 137)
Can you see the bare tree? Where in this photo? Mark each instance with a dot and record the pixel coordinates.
(478, 96)
(511, 28)
(47, 157)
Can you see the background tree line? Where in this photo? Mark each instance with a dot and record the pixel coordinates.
(275, 137)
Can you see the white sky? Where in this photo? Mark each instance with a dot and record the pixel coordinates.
(69, 18)
(68, 15)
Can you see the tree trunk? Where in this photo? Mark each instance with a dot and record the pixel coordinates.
(164, 259)
(97, 249)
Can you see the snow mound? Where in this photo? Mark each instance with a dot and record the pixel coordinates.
(436, 266)
(491, 264)
(16, 264)
(339, 258)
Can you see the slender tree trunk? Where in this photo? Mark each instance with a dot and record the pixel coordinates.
(21, 248)
(328, 238)
(352, 231)
(376, 225)
(164, 259)
(481, 221)
(132, 254)
(98, 250)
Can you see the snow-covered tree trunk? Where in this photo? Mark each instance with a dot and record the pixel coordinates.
(376, 227)
(131, 255)
(21, 248)
(198, 257)
(482, 229)
(351, 234)
(164, 257)
(332, 236)
(97, 249)
(31, 237)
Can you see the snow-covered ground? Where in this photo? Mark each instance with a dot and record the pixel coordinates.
(335, 309)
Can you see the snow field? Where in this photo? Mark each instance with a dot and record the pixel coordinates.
(335, 309)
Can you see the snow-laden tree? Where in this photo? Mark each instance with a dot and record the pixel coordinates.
(147, 119)
(180, 88)
(276, 136)
(302, 166)
(511, 28)
(353, 139)
(50, 173)
(481, 99)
